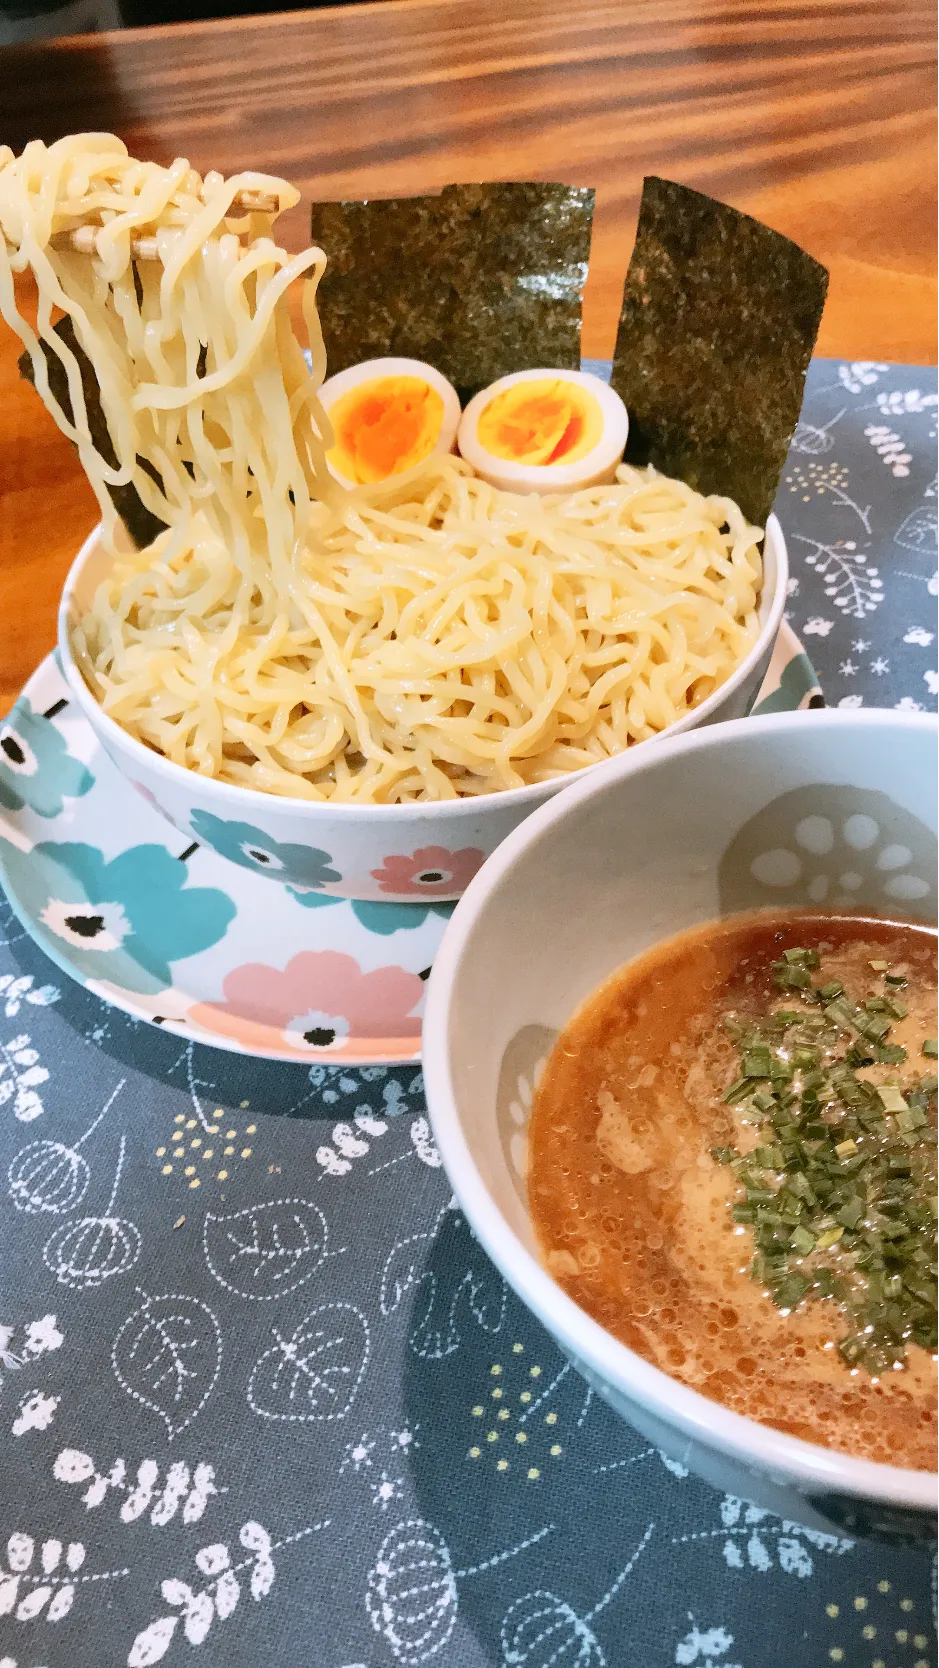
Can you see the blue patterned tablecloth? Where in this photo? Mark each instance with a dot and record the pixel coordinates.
(263, 1398)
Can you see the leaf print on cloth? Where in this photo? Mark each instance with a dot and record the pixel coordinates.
(44, 1587)
(315, 1373)
(412, 1596)
(15, 991)
(906, 402)
(35, 1413)
(851, 583)
(320, 1001)
(265, 1250)
(861, 374)
(191, 1491)
(432, 872)
(218, 1595)
(167, 1355)
(831, 480)
(22, 1075)
(698, 1647)
(253, 849)
(463, 1283)
(36, 768)
(39, 1337)
(541, 1630)
(889, 446)
(51, 1176)
(919, 531)
(754, 1539)
(125, 920)
(84, 1254)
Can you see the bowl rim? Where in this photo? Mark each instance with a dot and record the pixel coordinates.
(761, 1447)
(532, 794)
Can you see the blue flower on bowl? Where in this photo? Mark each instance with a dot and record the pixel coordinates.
(241, 843)
(125, 920)
(36, 767)
(381, 918)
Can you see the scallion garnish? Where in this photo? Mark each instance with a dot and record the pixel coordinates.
(842, 1165)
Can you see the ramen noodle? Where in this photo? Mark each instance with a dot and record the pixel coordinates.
(424, 638)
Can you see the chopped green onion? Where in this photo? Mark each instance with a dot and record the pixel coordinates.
(842, 1015)
(802, 958)
(855, 1161)
(743, 1212)
(724, 1155)
(851, 1213)
(891, 1098)
(912, 1118)
(790, 1290)
(738, 1090)
(889, 1054)
(802, 1242)
(804, 1059)
(791, 978)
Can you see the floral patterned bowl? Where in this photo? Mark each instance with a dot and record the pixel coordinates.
(831, 808)
(379, 852)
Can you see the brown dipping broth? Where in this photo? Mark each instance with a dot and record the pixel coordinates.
(634, 1215)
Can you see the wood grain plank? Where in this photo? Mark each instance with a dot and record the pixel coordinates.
(817, 117)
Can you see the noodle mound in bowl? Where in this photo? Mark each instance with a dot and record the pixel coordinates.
(450, 651)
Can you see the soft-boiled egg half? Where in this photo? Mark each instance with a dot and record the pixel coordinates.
(544, 431)
(388, 415)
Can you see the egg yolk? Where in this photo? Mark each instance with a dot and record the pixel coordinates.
(385, 426)
(541, 422)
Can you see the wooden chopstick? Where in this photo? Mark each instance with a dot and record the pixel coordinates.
(84, 239)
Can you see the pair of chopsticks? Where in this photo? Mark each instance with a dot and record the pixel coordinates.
(84, 239)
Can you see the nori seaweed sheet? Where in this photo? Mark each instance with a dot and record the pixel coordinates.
(140, 522)
(478, 280)
(719, 319)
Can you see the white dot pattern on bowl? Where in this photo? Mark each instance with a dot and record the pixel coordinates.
(860, 831)
(907, 888)
(815, 834)
(776, 868)
(839, 846)
(894, 857)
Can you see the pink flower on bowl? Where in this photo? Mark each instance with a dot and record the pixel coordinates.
(321, 1001)
(149, 797)
(432, 872)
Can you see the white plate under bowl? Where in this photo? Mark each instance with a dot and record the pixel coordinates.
(186, 939)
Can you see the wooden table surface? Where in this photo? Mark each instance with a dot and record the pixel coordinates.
(815, 115)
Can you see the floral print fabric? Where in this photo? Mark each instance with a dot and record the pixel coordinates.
(278, 1371)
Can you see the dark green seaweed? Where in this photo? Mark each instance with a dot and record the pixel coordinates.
(478, 280)
(140, 522)
(719, 319)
